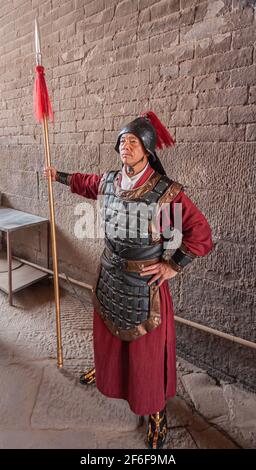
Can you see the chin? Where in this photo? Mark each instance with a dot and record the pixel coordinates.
(127, 162)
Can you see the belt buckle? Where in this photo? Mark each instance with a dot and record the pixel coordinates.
(118, 262)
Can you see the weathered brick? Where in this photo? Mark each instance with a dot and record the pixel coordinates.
(68, 126)
(142, 47)
(227, 97)
(217, 62)
(186, 17)
(67, 138)
(93, 7)
(120, 121)
(188, 101)
(171, 71)
(252, 95)
(146, 3)
(115, 25)
(210, 134)
(214, 45)
(68, 19)
(244, 76)
(244, 37)
(163, 108)
(93, 34)
(201, 10)
(214, 80)
(190, 3)
(215, 161)
(76, 54)
(110, 136)
(208, 28)
(127, 81)
(123, 109)
(173, 55)
(68, 103)
(251, 132)
(90, 125)
(164, 41)
(206, 117)
(102, 18)
(6, 8)
(242, 114)
(164, 8)
(67, 69)
(125, 37)
(143, 17)
(181, 118)
(8, 19)
(178, 85)
(160, 26)
(93, 137)
(126, 7)
(238, 19)
(127, 52)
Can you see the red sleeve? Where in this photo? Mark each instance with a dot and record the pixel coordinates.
(86, 185)
(195, 229)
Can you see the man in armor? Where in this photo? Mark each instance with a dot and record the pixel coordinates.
(134, 333)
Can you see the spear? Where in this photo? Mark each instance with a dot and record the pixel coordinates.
(43, 111)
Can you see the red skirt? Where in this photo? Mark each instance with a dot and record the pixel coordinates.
(142, 371)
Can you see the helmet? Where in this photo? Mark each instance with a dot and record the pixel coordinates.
(152, 133)
(144, 130)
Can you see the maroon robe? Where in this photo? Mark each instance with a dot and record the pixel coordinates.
(143, 371)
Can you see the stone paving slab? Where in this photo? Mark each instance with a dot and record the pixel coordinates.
(42, 346)
(206, 396)
(241, 419)
(62, 404)
(7, 341)
(71, 439)
(19, 387)
(211, 438)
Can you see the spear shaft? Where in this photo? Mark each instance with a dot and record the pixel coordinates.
(52, 214)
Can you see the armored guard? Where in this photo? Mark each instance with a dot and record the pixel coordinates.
(134, 334)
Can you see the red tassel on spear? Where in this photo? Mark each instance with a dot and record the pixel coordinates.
(43, 111)
(42, 104)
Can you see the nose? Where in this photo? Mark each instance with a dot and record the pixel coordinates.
(125, 145)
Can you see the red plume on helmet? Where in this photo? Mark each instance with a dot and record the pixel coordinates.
(164, 138)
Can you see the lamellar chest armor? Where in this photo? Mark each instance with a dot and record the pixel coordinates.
(129, 307)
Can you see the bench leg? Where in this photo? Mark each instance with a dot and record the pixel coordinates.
(9, 262)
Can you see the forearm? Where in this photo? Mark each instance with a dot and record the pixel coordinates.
(181, 258)
(64, 178)
(196, 235)
(85, 184)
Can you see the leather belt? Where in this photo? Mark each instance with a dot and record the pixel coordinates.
(128, 265)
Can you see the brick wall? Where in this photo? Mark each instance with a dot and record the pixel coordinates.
(194, 63)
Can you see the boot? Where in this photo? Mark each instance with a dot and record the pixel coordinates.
(156, 430)
(88, 378)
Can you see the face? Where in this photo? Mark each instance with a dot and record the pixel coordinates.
(131, 149)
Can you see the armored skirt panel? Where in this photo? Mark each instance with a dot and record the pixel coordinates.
(129, 307)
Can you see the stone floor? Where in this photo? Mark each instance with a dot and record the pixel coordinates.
(44, 407)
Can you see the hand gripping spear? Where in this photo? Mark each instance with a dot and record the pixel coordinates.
(43, 111)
